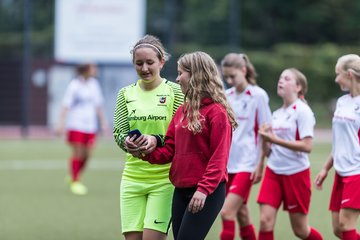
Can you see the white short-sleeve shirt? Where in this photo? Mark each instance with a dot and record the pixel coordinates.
(82, 97)
(346, 136)
(251, 109)
(292, 123)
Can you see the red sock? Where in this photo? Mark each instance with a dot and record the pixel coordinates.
(83, 164)
(228, 231)
(248, 232)
(349, 235)
(266, 235)
(75, 168)
(314, 235)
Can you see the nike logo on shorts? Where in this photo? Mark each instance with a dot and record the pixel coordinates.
(292, 206)
(156, 222)
(232, 187)
(345, 200)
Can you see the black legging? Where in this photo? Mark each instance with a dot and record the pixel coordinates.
(187, 225)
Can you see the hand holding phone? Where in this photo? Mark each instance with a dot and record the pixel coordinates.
(134, 132)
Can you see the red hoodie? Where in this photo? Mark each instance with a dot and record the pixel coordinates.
(198, 160)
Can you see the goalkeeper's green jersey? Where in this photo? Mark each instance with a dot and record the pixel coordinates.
(151, 113)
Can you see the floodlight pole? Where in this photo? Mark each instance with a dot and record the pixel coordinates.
(234, 24)
(170, 32)
(170, 12)
(26, 68)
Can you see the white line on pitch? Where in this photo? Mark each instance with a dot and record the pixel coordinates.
(101, 164)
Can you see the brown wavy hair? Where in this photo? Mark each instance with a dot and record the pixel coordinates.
(204, 82)
(240, 60)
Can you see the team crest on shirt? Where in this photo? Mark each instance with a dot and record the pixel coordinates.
(245, 105)
(357, 109)
(162, 100)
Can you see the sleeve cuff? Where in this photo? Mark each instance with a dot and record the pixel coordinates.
(158, 140)
(200, 189)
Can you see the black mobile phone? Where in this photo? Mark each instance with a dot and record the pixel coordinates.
(134, 132)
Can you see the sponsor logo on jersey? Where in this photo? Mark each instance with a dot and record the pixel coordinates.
(145, 118)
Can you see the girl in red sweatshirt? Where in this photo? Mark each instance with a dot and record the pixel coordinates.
(197, 143)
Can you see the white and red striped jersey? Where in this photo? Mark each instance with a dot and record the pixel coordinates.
(251, 109)
(82, 97)
(346, 136)
(292, 123)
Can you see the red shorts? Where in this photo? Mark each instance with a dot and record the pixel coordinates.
(231, 177)
(345, 193)
(241, 185)
(87, 139)
(294, 190)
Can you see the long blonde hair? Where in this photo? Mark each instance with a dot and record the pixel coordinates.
(204, 82)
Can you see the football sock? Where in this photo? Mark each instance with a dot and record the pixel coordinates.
(83, 164)
(248, 232)
(266, 235)
(314, 235)
(228, 231)
(75, 168)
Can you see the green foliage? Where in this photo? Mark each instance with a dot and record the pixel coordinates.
(258, 24)
(317, 62)
(12, 25)
(262, 24)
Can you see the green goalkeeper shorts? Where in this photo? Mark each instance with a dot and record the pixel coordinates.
(145, 205)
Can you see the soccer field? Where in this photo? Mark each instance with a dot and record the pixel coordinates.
(35, 203)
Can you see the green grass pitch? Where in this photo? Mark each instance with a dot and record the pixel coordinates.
(35, 203)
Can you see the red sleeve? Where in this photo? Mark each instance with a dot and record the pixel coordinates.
(164, 154)
(220, 142)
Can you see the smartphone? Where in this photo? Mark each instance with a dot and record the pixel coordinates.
(134, 132)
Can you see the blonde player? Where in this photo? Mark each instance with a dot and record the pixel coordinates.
(287, 175)
(197, 144)
(345, 156)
